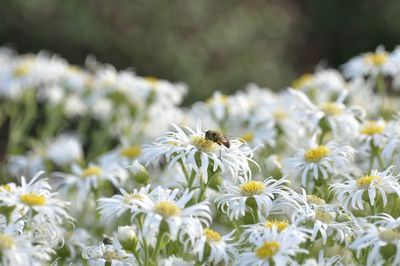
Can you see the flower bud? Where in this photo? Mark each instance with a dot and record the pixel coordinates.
(127, 237)
(139, 172)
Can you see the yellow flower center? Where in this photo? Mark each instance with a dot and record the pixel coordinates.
(313, 199)
(316, 154)
(390, 235)
(323, 216)
(22, 69)
(268, 249)
(152, 81)
(365, 181)
(131, 152)
(33, 199)
(92, 170)
(280, 225)
(167, 209)
(302, 81)
(219, 99)
(377, 59)
(280, 115)
(251, 188)
(372, 128)
(248, 136)
(5, 187)
(204, 145)
(211, 235)
(112, 255)
(6, 241)
(130, 197)
(331, 108)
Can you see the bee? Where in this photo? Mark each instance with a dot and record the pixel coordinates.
(218, 138)
(107, 240)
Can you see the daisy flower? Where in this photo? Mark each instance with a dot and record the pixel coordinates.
(318, 161)
(267, 194)
(165, 205)
(382, 238)
(373, 132)
(36, 197)
(216, 249)
(86, 179)
(369, 64)
(199, 154)
(353, 192)
(341, 120)
(117, 205)
(274, 248)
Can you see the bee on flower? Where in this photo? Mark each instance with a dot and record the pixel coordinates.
(200, 154)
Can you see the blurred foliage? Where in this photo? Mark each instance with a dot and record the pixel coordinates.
(207, 44)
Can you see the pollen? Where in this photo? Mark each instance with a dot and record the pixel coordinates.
(152, 81)
(131, 152)
(92, 170)
(268, 249)
(323, 216)
(211, 235)
(131, 197)
(251, 188)
(313, 199)
(302, 81)
(278, 224)
(6, 241)
(33, 199)
(248, 137)
(204, 145)
(280, 115)
(377, 59)
(372, 128)
(365, 181)
(167, 209)
(316, 154)
(331, 108)
(390, 235)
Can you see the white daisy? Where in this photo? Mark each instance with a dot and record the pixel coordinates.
(36, 197)
(351, 192)
(319, 161)
(274, 248)
(199, 154)
(268, 194)
(166, 205)
(210, 246)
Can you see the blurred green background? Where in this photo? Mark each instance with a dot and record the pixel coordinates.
(207, 44)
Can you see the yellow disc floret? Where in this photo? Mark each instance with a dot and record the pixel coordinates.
(130, 197)
(167, 209)
(131, 152)
(204, 145)
(5, 187)
(377, 59)
(323, 216)
(302, 81)
(365, 181)
(280, 115)
(390, 235)
(313, 199)
(278, 224)
(316, 154)
(268, 249)
(251, 188)
(372, 128)
(211, 235)
(331, 108)
(248, 136)
(92, 170)
(6, 241)
(33, 199)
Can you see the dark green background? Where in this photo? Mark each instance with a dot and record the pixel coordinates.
(206, 43)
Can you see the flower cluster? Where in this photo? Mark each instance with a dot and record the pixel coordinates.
(309, 175)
